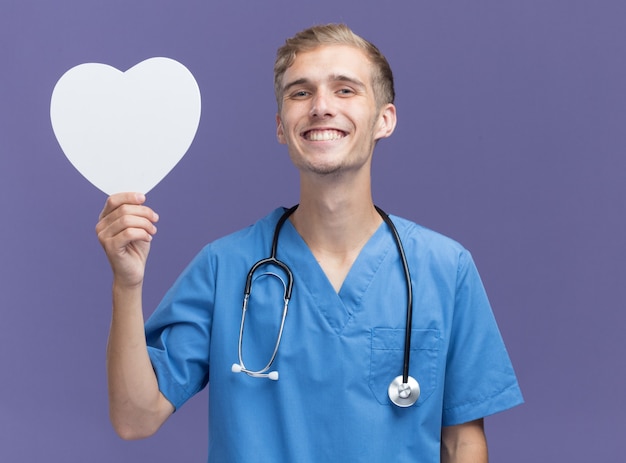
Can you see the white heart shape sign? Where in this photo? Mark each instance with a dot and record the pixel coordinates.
(125, 131)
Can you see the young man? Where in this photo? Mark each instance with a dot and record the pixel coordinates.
(343, 340)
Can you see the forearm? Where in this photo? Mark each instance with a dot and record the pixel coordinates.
(465, 443)
(137, 407)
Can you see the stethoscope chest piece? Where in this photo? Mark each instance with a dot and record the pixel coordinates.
(404, 394)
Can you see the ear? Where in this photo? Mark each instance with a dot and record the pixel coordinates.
(280, 132)
(386, 122)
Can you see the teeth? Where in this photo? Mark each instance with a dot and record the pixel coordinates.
(323, 135)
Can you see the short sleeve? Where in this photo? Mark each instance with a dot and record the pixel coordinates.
(479, 379)
(178, 332)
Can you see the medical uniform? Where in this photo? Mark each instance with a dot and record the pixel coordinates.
(338, 353)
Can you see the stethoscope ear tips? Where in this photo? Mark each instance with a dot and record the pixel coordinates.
(237, 368)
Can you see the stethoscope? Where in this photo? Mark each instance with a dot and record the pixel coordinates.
(403, 391)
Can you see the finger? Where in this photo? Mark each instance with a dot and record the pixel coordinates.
(122, 242)
(136, 226)
(125, 210)
(129, 236)
(116, 200)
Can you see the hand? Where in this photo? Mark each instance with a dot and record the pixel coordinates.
(125, 230)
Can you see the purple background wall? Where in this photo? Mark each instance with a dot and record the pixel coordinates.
(511, 137)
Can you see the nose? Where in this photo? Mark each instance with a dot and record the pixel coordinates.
(322, 105)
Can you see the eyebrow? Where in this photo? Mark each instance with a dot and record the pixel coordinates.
(333, 78)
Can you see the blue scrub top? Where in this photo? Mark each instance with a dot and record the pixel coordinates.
(339, 352)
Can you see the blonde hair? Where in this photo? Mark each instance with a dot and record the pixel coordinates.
(335, 34)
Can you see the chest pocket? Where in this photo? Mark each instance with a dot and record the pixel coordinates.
(387, 359)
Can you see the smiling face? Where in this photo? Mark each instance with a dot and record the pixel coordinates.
(329, 118)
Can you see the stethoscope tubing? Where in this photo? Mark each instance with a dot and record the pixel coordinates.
(273, 260)
(288, 287)
(409, 295)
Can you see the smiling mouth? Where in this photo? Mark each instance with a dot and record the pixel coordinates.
(323, 135)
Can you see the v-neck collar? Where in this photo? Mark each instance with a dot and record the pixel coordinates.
(309, 277)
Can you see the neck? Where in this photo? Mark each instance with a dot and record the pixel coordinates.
(335, 215)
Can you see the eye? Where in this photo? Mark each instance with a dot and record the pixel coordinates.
(300, 94)
(346, 91)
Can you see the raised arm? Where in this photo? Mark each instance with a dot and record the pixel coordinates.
(136, 406)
